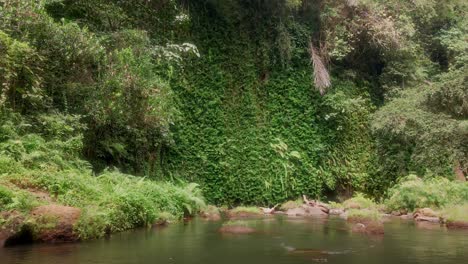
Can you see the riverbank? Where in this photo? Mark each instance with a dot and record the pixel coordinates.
(366, 216)
(71, 206)
(278, 239)
(49, 193)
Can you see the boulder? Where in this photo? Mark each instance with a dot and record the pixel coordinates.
(306, 210)
(4, 235)
(427, 212)
(211, 215)
(15, 222)
(369, 227)
(54, 223)
(299, 211)
(399, 212)
(407, 216)
(337, 211)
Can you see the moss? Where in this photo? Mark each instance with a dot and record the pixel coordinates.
(210, 209)
(356, 215)
(335, 205)
(456, 213)
(291, 205)
(359, 202)
(248, 210)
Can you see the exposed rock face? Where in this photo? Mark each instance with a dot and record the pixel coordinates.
(4, 235)
(15, 221)
(236, 230)
(63, 218)
(47, 223)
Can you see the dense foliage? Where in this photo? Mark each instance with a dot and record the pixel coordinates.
(257, 101)
(111, 201)
(412, 193)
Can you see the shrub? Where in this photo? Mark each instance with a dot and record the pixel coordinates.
(6, 197)
(412, 193)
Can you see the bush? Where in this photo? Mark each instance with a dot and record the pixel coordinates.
(412, 193)
(50, 160)
(6, 197)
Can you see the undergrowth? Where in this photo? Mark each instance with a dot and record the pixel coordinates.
(413, 192)
(456, 213)
(110, 202)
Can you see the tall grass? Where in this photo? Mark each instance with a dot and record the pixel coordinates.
(456, 213)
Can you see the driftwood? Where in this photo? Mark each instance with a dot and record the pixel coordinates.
(314, 203)
(269, 210)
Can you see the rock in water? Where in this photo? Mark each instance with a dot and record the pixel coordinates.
(306, 210)
(337, 211)
(242, 230)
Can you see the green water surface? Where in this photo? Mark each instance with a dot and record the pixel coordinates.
(278, 240)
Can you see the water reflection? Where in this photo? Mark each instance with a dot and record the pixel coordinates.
(278, 240)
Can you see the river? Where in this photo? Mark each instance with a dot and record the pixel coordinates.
(279, 240)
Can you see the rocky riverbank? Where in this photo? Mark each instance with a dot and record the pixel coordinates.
(363, 215)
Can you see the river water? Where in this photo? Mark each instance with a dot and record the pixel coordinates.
(278, 241)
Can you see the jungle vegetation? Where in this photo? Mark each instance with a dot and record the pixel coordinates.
(256, 101)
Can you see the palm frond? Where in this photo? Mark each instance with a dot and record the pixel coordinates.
(322, 79)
